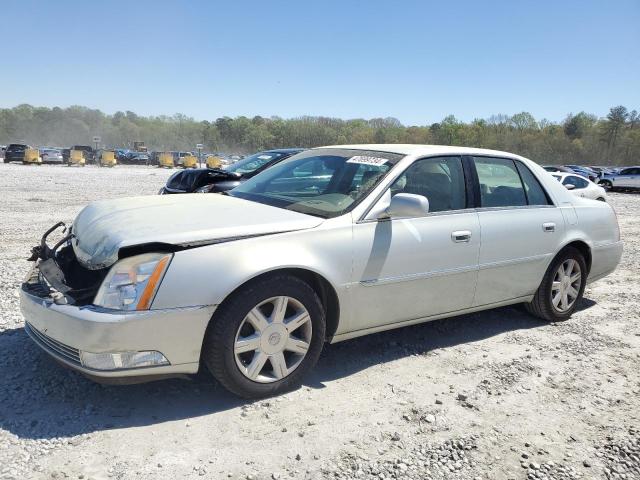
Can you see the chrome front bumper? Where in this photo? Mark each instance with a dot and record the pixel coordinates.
(64, 331)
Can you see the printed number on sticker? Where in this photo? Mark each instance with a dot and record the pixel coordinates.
(365, 160)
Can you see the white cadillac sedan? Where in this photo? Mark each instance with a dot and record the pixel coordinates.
(580, 186)
(330, 244)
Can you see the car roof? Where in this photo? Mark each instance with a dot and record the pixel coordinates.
(411, 149)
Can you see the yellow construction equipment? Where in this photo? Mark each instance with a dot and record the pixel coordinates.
(189, 161)
(108, 158)
(32, 156)
(214, 162)
(165, 160)
(76, 157)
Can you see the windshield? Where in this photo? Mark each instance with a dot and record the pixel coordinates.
(254, 162)
(324, 182)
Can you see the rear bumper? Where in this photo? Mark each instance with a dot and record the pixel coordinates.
(604, 260)
(64, 331)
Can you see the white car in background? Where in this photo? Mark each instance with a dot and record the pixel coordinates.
(581, 186)
(51, 155)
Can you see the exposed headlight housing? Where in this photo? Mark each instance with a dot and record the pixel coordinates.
(132, 282)
(121, 360)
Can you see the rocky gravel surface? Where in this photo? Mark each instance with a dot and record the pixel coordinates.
(492, 395)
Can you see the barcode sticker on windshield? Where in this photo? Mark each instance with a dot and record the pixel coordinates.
(365, 160)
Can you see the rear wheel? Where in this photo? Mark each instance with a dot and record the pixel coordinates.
(266, 337)
(561, 288)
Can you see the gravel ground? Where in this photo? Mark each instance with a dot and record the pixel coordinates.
(492, 395)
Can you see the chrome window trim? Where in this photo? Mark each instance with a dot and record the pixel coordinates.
(428, 215)
(514, 207)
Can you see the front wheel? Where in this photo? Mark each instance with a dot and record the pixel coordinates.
(606, 184)
(265, 337)
(561, 288)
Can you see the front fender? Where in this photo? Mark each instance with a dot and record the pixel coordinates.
(207, 275)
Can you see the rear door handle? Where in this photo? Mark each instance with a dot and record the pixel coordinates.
(549, 227)
(461, 236)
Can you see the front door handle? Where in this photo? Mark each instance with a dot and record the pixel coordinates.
(549, 227)
(461, 236)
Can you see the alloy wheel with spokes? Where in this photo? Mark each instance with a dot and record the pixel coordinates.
(273, 339)
(266, 336)
(562, 286)
(566, 284)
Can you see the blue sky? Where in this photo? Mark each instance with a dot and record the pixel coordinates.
(416, 61)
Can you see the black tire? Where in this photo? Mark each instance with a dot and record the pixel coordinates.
(601, 199)
(606, 184)
(218, 346)
(542, 306)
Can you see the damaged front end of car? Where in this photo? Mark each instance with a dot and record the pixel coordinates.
(57, 273)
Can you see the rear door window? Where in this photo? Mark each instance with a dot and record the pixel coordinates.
(500, 184)
(508, 183)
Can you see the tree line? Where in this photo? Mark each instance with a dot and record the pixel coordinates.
(581, 138)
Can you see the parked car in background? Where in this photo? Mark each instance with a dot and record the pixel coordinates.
(15, 152)
(206, 180)
(121, 153)
(580, 186)
(51, 155)
(557, 168)
(584, 171)
(625, 178)
(198, 180)
(135, 158)
(330, 244)
(602, 170)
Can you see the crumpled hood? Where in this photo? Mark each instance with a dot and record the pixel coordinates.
(102, 228)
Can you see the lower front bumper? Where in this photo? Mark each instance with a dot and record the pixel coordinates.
(64, 331)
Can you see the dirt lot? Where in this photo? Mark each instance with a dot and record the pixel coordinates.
(494, 395)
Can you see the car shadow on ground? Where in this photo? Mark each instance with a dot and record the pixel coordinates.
(41, 400)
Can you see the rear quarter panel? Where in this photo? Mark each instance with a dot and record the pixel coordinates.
(597, 226)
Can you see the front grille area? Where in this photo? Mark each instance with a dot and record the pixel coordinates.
(37, 288)
(65, 351)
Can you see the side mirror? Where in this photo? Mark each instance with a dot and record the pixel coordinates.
(407, 205)
(569, 186)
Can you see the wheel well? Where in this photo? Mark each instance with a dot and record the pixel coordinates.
(584, 249)
(320, 285)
